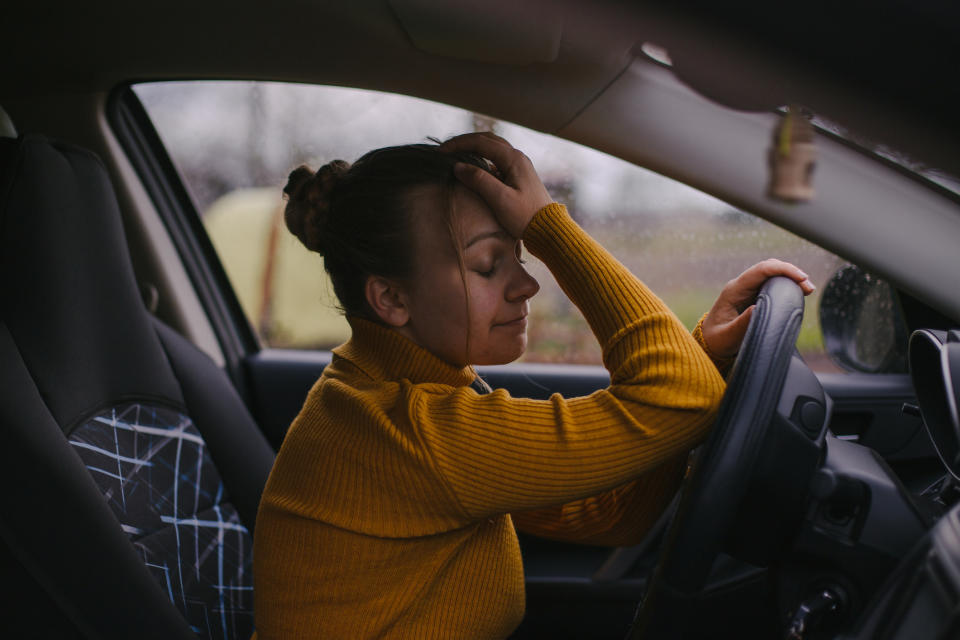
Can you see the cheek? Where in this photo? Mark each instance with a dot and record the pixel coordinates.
(490, 344)
(484, 301)
(439, 303)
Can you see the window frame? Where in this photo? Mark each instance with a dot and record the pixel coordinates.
(167, 190)
(170, 192)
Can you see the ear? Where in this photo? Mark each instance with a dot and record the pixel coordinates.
(387, 300)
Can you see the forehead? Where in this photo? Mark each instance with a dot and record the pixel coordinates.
(438, 211)
(471, 214)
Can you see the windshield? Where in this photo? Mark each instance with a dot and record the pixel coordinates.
(919, 169)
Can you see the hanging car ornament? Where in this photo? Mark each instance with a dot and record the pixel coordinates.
(792, 158)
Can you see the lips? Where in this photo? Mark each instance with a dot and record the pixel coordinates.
(519, 321)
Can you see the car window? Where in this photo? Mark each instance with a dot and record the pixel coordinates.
(235, 142)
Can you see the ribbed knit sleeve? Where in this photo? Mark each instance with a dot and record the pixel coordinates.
(501, 454)
(623, 515)
(620, 517)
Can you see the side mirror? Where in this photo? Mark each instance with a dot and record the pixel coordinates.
(862, 323)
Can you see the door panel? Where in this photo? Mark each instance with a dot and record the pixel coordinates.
(279, 380)
(868, 408)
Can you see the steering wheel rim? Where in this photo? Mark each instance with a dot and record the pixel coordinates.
(719, 476)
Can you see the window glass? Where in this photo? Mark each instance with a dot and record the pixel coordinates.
(235, 142)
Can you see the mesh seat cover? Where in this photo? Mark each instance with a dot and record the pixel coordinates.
(155, 473)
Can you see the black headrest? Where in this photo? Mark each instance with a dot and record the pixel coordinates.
(69, 296)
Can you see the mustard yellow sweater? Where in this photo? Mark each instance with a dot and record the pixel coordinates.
(386, 512)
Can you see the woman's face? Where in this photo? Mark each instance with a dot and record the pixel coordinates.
(498, 286)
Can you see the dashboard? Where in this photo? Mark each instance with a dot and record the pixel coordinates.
(921, 598)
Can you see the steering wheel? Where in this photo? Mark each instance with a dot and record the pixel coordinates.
(721, 471)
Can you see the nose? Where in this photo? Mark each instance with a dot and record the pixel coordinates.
(522, 285)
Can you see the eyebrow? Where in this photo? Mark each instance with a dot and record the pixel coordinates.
(499, 233)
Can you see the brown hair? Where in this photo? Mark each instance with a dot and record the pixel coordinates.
(358, 216)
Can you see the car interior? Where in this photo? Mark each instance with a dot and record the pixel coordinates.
(142, 411)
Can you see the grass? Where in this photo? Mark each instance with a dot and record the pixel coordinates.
(303, 311)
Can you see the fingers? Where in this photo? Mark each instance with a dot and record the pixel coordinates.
(726, 324)
(755, 276)
(489, 145)
(735, 332)
(484, 184)
(745, 287)
(739, 326)
(729, 340)
(517, 196)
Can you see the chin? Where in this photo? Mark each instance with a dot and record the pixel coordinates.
(501, 356)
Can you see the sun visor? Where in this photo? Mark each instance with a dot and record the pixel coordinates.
(730, 71)
(483, 31)
(730, 76)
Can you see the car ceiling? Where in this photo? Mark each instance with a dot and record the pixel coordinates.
(571, 68)
(899, 59)
(767, 56)
(360, 43)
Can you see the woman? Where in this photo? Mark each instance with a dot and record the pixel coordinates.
(387, 513)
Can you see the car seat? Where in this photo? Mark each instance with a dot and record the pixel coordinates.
(131, 470)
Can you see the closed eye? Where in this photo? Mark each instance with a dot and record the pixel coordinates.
(485, 274)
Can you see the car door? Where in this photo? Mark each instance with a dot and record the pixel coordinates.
(222, 208)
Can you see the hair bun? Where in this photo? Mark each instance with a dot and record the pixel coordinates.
(309, 196)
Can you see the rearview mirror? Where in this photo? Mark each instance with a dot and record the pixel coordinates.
(862, 323)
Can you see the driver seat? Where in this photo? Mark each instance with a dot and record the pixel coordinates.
(131, 469)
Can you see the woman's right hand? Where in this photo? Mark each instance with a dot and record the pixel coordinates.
(520, 194)
(726, 323)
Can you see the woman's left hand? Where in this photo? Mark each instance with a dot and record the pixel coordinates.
(725, 325)
(515, 199)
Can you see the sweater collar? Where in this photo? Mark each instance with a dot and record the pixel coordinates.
(383, 354)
